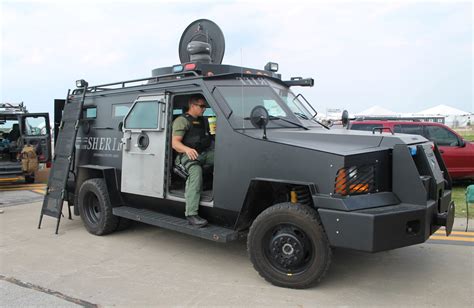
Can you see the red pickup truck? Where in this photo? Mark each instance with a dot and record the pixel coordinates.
(458, 154)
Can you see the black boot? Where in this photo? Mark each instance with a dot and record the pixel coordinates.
(196, 221)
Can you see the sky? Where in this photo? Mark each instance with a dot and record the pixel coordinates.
(405, 56)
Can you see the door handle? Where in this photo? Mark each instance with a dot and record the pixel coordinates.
(139, 153)
(441, 151)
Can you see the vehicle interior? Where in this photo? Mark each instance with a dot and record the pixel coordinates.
(9, 138)
(177, 183)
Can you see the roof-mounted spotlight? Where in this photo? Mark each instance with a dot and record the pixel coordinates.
(271, 66)
(81, 83)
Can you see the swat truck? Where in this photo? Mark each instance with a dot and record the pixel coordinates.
(25, 142)
(295, 188)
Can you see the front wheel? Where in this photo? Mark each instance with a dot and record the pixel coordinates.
(288, 246)
(95, 208)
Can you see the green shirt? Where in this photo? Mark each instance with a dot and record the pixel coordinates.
(180, 126)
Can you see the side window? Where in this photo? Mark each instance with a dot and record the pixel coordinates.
(442, 136)
(412, 129)
(7, 126)
(143, 115)
(90, 113)
(120, 110)
(35, 126)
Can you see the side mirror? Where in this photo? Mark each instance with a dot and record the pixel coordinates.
(259, 118)
(462, 143)
(345, 119)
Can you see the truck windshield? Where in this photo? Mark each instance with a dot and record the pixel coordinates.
(242, 100)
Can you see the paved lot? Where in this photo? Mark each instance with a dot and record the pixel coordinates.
(146, 266)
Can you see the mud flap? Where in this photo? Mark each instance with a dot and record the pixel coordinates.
(450, 218)
(446, 219)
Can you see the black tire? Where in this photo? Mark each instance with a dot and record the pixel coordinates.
(288, 246)
(29, 179)
(95, 208)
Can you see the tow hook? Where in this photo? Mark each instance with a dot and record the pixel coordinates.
(446, 219)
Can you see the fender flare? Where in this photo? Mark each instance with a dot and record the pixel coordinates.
(110, 176)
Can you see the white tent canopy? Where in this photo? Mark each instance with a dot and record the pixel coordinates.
(376, 111)
(453, 117)
(442, 110)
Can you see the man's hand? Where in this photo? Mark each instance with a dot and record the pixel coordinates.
(178, 146)
(192, 153)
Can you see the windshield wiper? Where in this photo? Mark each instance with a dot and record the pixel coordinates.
(271, 118)
(325, 126)
(301, 115)
(304, 117)
(313, 118)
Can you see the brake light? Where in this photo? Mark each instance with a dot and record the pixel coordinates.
(48, 164)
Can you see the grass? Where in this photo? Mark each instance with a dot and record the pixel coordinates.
(459, 198)
(467, 134)
(459, 188)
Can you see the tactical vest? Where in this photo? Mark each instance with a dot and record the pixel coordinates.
(197, 137)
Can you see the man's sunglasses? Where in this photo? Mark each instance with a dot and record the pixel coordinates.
(202, 106)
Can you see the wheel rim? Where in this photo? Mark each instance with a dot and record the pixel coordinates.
(288, 249)
(92, 208)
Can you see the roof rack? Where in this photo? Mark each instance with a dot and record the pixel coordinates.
(436, 119)
(13, 108)
(136, 82)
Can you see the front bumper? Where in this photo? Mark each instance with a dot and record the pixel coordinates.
(388, 227)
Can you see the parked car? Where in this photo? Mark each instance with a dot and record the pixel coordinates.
(25, 141)
(458, 154)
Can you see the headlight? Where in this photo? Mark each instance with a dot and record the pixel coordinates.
(355, 180)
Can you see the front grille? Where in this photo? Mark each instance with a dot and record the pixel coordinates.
(355, 180)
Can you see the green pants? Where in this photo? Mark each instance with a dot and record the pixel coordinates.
(193, 190)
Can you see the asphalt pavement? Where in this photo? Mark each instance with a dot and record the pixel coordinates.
(149, 266)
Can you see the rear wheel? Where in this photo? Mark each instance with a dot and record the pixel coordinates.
(288, 246)
(95, 208)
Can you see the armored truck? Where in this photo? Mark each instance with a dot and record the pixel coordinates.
(25, 142)
(295, 188)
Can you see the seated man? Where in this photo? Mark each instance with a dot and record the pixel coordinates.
(191, 139)
(14, 133)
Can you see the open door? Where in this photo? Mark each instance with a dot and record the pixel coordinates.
(36, 131)
(144, 147)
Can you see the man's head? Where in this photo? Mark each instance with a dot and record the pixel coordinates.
(196, 105)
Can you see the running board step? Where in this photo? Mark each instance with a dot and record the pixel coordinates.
(210, 232)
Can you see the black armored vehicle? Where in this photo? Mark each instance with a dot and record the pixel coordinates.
(294, 187)
(25, 142)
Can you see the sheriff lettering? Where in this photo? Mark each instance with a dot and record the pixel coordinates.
(99, 143)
